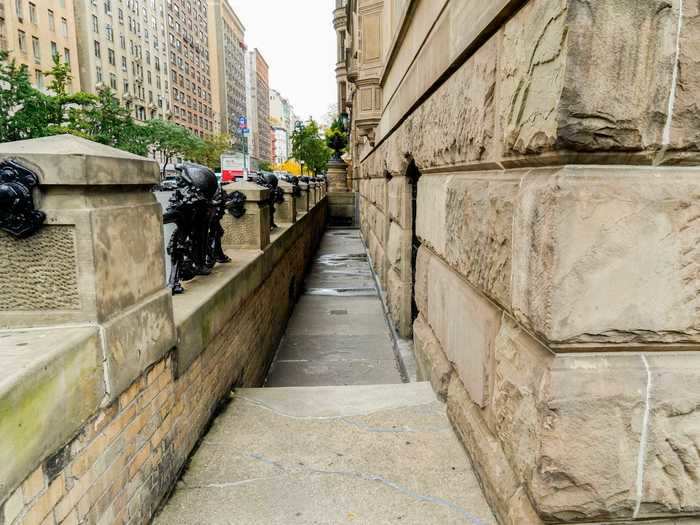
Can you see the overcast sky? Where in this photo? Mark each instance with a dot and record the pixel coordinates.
(298, 41)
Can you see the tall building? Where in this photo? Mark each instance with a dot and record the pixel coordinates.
(32, 32)
(122, 45)
(258, 94)
(227, 55)
(191, 75)
(282, 122)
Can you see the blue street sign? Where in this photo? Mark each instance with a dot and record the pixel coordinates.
(242, 122)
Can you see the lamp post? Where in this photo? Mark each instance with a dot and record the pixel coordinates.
(301, 162)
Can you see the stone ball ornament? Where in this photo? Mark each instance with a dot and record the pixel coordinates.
(18, 215)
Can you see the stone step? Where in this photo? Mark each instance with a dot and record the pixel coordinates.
(327, 455)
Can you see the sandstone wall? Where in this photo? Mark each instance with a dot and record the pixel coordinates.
(120, 460)
(557, 280)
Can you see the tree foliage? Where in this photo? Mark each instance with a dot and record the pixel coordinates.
(210, 149)
(26, 113)
(308, 147)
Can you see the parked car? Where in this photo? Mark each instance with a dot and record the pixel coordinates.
(169, 183)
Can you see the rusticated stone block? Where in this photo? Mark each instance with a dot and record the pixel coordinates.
(608, 255)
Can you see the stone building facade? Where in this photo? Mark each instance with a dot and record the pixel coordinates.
(228, 52)
(529, 194)
(123, 45)
(191, 73)
(32, 32)
(258, 93)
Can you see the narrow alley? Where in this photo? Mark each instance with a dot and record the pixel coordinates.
(335, 436)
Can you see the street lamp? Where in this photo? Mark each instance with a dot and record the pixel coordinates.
(301, 162)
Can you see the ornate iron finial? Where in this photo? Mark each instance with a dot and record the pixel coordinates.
(18, 217)
(237, 204)
(270, 182)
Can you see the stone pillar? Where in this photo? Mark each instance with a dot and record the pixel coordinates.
(337, 176)
(303, 199)
(98, 260)
(313, 195)
(287, 211)
(252, 230)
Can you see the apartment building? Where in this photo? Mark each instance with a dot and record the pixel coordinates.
(227, 54)
(191, 73)
(34, 31)
(123, 45)
(258, 93)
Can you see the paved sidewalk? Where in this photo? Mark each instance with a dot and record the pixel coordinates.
(330, 455)
(335, 437)
(338, 334)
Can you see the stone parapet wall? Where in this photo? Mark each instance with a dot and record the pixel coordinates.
(556, 284)
(97, 461)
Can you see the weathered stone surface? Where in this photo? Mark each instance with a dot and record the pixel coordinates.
(622, 102)
(136, 339)
(608, 255)
(463, 110)
(432, 363)
(531, 76)
(465, 324)
(672, 462)
(51, 383)
(516, 413)
(588, 458)
(128, 255)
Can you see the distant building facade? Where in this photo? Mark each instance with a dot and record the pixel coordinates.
(228, 56)
(32, 32)
(258, 96)
(122, 45)
(191, 74)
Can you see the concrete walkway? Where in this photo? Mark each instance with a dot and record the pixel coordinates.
(337, 334)
(362, 448)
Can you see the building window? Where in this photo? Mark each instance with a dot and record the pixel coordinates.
(39, 79)
(111, 57)
(66, 55)
(54, 49)
(64, 27)
(52, 22)
(95, 24)
(122, 41)
(110, 32)
(113, 81)
(19, 9)
(22, 40)
(98, 54)
(32, 14)
(124, 66)
(126, 87)
(108, 7)
(36, 50)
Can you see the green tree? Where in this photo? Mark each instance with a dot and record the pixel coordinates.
(24, 111)
(265, 166)
(171, 140)
(310, 148)
(210, 150)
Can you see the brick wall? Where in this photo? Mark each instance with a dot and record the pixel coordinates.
(128, 456)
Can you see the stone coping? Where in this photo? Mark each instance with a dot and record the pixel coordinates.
(66, 160)
(52, 382)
